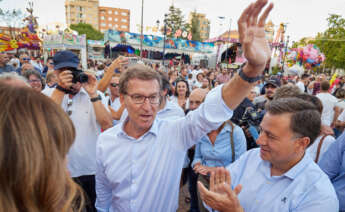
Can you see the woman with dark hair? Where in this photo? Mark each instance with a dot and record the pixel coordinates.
(35, 136)
(181, 94)
(35, 80)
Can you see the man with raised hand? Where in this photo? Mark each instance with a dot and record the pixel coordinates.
(139, 161)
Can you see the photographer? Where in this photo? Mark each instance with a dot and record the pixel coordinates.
(77, 94)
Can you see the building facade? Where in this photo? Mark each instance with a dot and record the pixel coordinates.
(82, 11)
(113, 18)
(204, 24)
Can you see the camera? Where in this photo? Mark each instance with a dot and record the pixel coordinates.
(79, 76)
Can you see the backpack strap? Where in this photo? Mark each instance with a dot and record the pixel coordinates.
(232, 143)
(319, 148)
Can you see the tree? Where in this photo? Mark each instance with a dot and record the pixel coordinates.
(91, 33)
(13, 19)
(302, 42)
(195, 27)
(175, 21)
(332, 42)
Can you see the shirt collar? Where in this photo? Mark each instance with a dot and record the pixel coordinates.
(153, 130)
(299, 167)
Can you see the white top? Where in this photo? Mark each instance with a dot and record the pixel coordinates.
(328, 103)
(312, 149)
(300, 85)
(81, 158)
(174, 100)
(116, 104)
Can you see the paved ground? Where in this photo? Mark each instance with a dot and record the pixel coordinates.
(183, 206)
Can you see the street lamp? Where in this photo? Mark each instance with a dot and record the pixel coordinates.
(141, 29)
(164, 35)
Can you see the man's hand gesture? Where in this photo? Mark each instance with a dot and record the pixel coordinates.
(220, 196)
(252, 36)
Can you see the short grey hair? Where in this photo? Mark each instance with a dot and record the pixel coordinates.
(8, 76)
(138, 71)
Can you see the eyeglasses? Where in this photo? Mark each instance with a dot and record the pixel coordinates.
(114, 85)
(26, 59)
(34, 81)
(69, 104)
(140, 99)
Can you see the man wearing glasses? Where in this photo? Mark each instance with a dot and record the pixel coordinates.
(87, 109)
(4, 67)
(25, 64)
(140, 160)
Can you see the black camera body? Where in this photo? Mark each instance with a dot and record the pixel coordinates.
(79, 76)
(252, 117)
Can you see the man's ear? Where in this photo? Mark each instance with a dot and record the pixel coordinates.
(303, 143)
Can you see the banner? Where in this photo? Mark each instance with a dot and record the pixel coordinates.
(133, 39)
(70, 41)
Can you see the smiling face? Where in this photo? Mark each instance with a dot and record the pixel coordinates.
(35, 83)
(278, 144)
(181, 88)
(141, 116)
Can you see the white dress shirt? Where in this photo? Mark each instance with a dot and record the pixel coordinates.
(81, 158)
(143, 174)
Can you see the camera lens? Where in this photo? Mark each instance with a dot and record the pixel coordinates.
(83, 78)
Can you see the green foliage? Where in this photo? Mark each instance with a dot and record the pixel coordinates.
(332, 42)
(195, 27)
(91, 33)
(175, 21)
(302, 42)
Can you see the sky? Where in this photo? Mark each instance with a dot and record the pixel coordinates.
(304, 18)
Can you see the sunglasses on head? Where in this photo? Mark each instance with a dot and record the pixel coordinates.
(26, 59)
(114, 85)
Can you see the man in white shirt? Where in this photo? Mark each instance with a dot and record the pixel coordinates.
(330, 111)
(139, 161)
(87, 109)
(301, 84)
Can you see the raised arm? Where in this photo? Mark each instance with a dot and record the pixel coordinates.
(105, 81)
(256, 51)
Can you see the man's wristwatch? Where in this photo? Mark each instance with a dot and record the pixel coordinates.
(248, 79)
(95, 99)
(66, 91)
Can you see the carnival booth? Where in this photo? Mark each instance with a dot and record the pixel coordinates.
(66, 41)
(95, 49)
(153, 46)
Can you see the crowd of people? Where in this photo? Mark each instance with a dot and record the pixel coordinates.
(127, 137)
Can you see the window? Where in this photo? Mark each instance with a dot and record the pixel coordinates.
(110, 25)
(116, 25)
(102, 17)
(81, 9)
(109, 12)
(115, 12)
(124, 20)
(124, 27)
(110, 19)
(124, 14)
(103, 25)
(116, 19)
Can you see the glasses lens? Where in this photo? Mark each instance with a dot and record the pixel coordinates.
(114, 84)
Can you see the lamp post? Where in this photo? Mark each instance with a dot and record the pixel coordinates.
(141, 29)
(227, 45)
(164, 35)
(285, 50)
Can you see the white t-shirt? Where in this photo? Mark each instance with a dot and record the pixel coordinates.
(116, 104)
(312, 150)
(328, 103)
(300, 85)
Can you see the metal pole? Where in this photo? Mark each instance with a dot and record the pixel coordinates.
(141, 29)
(287, 43)
(165, 32)
(227, 45)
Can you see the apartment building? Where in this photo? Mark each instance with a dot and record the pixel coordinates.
(114, 18)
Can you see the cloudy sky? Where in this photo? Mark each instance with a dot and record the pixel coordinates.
(304, 17)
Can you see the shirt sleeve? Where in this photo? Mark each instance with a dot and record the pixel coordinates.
(341, 117)
(331, 161)
(197, 155)
(103, 188)
(209, 116)
(240, 142)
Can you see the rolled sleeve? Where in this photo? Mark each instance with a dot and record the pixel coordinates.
(209, 116)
